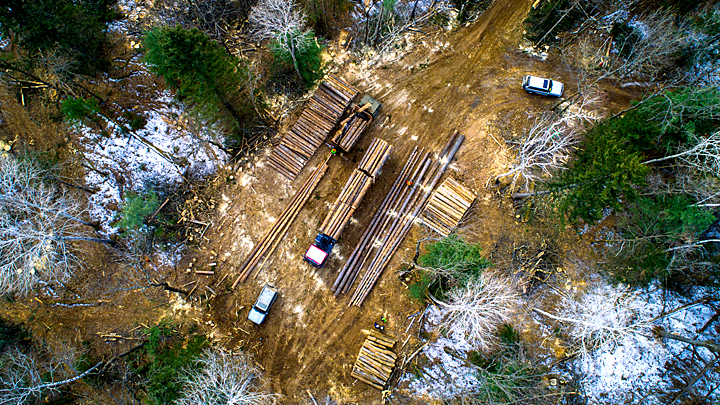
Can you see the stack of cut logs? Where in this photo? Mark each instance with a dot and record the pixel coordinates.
(351, 128)
(317, 120)
(355, 188)
(273, 236)
(397, 213)
(376, 361)
(447, 206)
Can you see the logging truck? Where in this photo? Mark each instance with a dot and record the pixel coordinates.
(347, 202)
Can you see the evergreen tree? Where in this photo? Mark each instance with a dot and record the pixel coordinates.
(201, 71)
(76, 28)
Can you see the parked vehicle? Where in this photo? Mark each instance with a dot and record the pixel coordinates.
(544, 87)
(259, 311)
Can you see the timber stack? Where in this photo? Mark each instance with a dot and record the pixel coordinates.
(447, 206)
(376, 361)
(320, 115)
(396, 215)
(277, 231)
(352, 127)
(355, 188)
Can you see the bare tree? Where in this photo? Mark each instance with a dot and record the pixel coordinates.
(284, 22)
(480, 307)
(652, 46)
(24, 379)
(224, 379)
(549, 142)
(38, 224)
(703, 154)
(601, 316)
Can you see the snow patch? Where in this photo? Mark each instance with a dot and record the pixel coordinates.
(120, 162)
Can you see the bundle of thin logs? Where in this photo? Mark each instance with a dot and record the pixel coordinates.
(274, 235)
(355, 188)
(393, 220)
(376, 361)
(447, 206)
(351, 128)
(316, 121)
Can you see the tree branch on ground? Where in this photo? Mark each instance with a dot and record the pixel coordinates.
(480, 307)
(549, 142)
(38, 224)
(224, 378)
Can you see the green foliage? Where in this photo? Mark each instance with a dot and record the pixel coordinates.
(163, 357)
(136, 208)
(449, 263)
(550, 18)
(202, 72)
(607, 170)
(76, 28)
(417, 291)
(78, 109)
(683, 113)
(669, 217)
(656, 222)
(309, 60)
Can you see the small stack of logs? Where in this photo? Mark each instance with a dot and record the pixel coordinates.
(376, 361)
(355, 188)
(392, 221)
(320, 115)
(351, 128)
(447, 206)
(275, 234)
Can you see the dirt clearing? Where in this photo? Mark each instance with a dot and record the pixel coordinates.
(467, 80)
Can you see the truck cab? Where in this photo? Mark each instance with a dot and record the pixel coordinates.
(319, 251)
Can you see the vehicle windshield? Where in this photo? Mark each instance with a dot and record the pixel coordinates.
(264, 300)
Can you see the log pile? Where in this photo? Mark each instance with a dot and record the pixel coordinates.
(397, 213)
(316, 121)
(355, 188)
(375, 361)
(274, 235)
(447, 206)
(352, 128)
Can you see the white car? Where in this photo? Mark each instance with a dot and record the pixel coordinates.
(259, 311)
(545, 87)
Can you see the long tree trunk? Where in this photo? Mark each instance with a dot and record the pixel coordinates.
(291, 40)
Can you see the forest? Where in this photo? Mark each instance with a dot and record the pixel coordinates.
(556, 251)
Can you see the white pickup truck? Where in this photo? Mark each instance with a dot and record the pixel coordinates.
(259, 311)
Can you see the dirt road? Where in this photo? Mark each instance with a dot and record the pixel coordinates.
(467, 80)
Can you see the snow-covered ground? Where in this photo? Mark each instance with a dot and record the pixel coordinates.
(117, 163)
(638, 365)
(445, 376)
(623, 371)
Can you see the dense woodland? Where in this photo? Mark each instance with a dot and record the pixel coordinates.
(82, 80)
